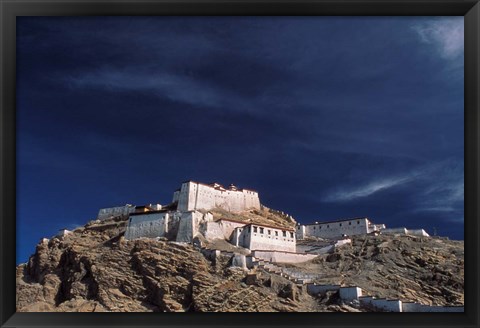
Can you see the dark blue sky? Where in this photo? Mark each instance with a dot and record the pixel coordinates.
(327, 117)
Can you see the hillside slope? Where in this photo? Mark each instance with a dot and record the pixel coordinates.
(95, 269)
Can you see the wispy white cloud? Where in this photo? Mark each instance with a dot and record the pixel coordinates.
(441, 187)
(446, 35)
(366, 190)
(178, 88)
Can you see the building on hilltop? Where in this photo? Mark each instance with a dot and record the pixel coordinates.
(194, 196)
(337, 228)
(188, 217)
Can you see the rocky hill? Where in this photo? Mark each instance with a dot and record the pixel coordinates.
(95, 269)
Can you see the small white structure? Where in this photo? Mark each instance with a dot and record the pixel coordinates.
(194, 195)
(62, 232)
(264, 237)
(338, 228)
(350, 293)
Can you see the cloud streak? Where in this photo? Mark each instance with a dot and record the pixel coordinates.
(447, 36)
(433, 194)
(366, 190)
(171, 86)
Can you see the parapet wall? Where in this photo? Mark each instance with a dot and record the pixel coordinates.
(149, 225)
(405, 231)
(416, 307)
(334, 229)
(314, 289)
(381, 304)
(105, 213)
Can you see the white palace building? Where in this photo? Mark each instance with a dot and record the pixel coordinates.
(188, 216)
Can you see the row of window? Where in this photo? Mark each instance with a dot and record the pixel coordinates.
(284, 239)
(269, 232)
(328, 226)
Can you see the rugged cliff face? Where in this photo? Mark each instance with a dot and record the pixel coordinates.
(95, 269)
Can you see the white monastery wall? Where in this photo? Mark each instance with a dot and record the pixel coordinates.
(222, 229)
(193, 195)
(190, 225)
(336, 229)
(105, 213)
(213, 231)
(150, 225)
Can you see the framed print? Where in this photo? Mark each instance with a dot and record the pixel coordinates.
(244, 163)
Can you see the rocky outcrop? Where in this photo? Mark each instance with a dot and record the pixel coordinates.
(421, 269)
(94, 269)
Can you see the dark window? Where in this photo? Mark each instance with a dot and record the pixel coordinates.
(261, 230)
(358, 222)
(314, 228)
(269, 232)
(276, 233)
(254, 229)
(340, 224)
(291, 234)
(349, 223)
(328, 226)
(284, 233)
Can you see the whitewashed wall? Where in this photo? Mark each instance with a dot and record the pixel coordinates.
(194, 195)
(105, 213)
(336, 229)
(149, 225)
(395, 230)
(222, 229)
(250, 239)
(190, 224)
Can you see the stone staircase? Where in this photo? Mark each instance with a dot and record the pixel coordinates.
(296, 278)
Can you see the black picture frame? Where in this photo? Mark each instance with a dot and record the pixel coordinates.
(11, 9)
